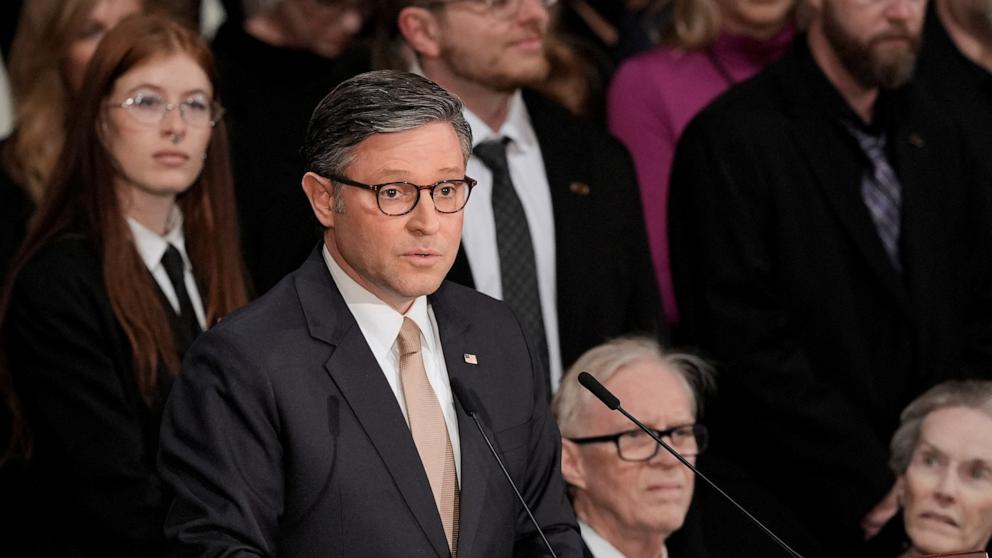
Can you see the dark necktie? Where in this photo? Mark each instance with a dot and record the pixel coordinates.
(517, 266)
(881, 192)
(172, 261)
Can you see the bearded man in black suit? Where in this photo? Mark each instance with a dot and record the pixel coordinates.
(831, 248)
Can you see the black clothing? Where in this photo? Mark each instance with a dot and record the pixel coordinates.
(785, 283)
(91, 488)
(959, 87)
(270, 93)
(16, 208)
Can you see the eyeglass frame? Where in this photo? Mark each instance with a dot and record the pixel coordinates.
(699, 431)
(548, 4)
(469, 181)
(216, 112)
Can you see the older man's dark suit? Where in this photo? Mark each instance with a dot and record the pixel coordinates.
(783, 279)
(282, 436)
(604, 274)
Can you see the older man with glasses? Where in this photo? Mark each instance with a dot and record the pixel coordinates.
(628, 493)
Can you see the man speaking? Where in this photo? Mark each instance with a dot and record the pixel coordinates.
(320, 420)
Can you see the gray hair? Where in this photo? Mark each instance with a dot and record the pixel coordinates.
(603, 361)
(971, 394)
(380, 102)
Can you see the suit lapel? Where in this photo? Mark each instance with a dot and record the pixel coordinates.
(477, 465)
(356, 373)
(919, 222)
(838, 178)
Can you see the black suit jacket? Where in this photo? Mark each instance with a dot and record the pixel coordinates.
(785, 282)
(282, 436)
(91, 487)
(604, 272)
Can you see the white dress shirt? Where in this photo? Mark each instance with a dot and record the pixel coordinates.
(601, 548)
(151, 247)
(530, 180)
(380, 325)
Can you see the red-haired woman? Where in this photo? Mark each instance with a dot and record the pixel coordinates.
(133, 252)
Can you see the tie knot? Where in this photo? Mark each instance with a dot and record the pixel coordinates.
(492, 153)
(172, 261)
(409, 338)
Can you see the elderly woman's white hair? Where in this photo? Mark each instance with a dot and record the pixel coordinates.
(971, 394)
(605, 360)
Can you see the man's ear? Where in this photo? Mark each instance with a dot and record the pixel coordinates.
(572, 469)
(421, 30)
(320, 192)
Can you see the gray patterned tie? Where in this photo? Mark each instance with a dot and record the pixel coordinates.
(881, 192)
(518, 268)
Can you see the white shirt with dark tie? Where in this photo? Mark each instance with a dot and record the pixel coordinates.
(151, 247)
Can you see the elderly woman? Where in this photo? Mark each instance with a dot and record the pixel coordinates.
(629, 494)
(942, 456)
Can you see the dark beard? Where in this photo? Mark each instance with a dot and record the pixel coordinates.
(863, 62)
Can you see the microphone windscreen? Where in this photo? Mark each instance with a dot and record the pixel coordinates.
(464, 398)
(597, 389)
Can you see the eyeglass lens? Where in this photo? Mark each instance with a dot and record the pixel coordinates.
(150, 108)
(400, 197)
(638, 446)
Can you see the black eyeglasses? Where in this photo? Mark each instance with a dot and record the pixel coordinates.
(399, 198)
(634, 445)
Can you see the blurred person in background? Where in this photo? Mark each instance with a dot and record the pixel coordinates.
(132, 254)
(708, 46)
(552, 229)
(942, 458)
(275, 65)
(955, 67)
(54, 42)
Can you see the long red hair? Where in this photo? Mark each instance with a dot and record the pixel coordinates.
(81, 197)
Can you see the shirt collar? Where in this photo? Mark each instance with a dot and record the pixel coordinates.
(516, 127)
(379, 322)
(601, 548)
(151, 245)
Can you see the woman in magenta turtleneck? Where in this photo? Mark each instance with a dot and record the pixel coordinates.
(709, 46)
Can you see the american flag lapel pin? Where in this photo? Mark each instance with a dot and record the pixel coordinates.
(471, 359)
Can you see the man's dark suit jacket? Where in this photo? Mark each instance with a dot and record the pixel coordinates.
(604, 271)
(283, 437)
(784, 281)
(91, 487)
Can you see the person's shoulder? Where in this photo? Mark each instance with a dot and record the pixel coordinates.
(751, 109)
(65, 258)
(64, 273)
(554, 123)
(277, 310)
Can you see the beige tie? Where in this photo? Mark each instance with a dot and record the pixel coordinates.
(429, 430)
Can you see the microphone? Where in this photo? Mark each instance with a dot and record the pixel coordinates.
(611, 401)
(471, 407)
